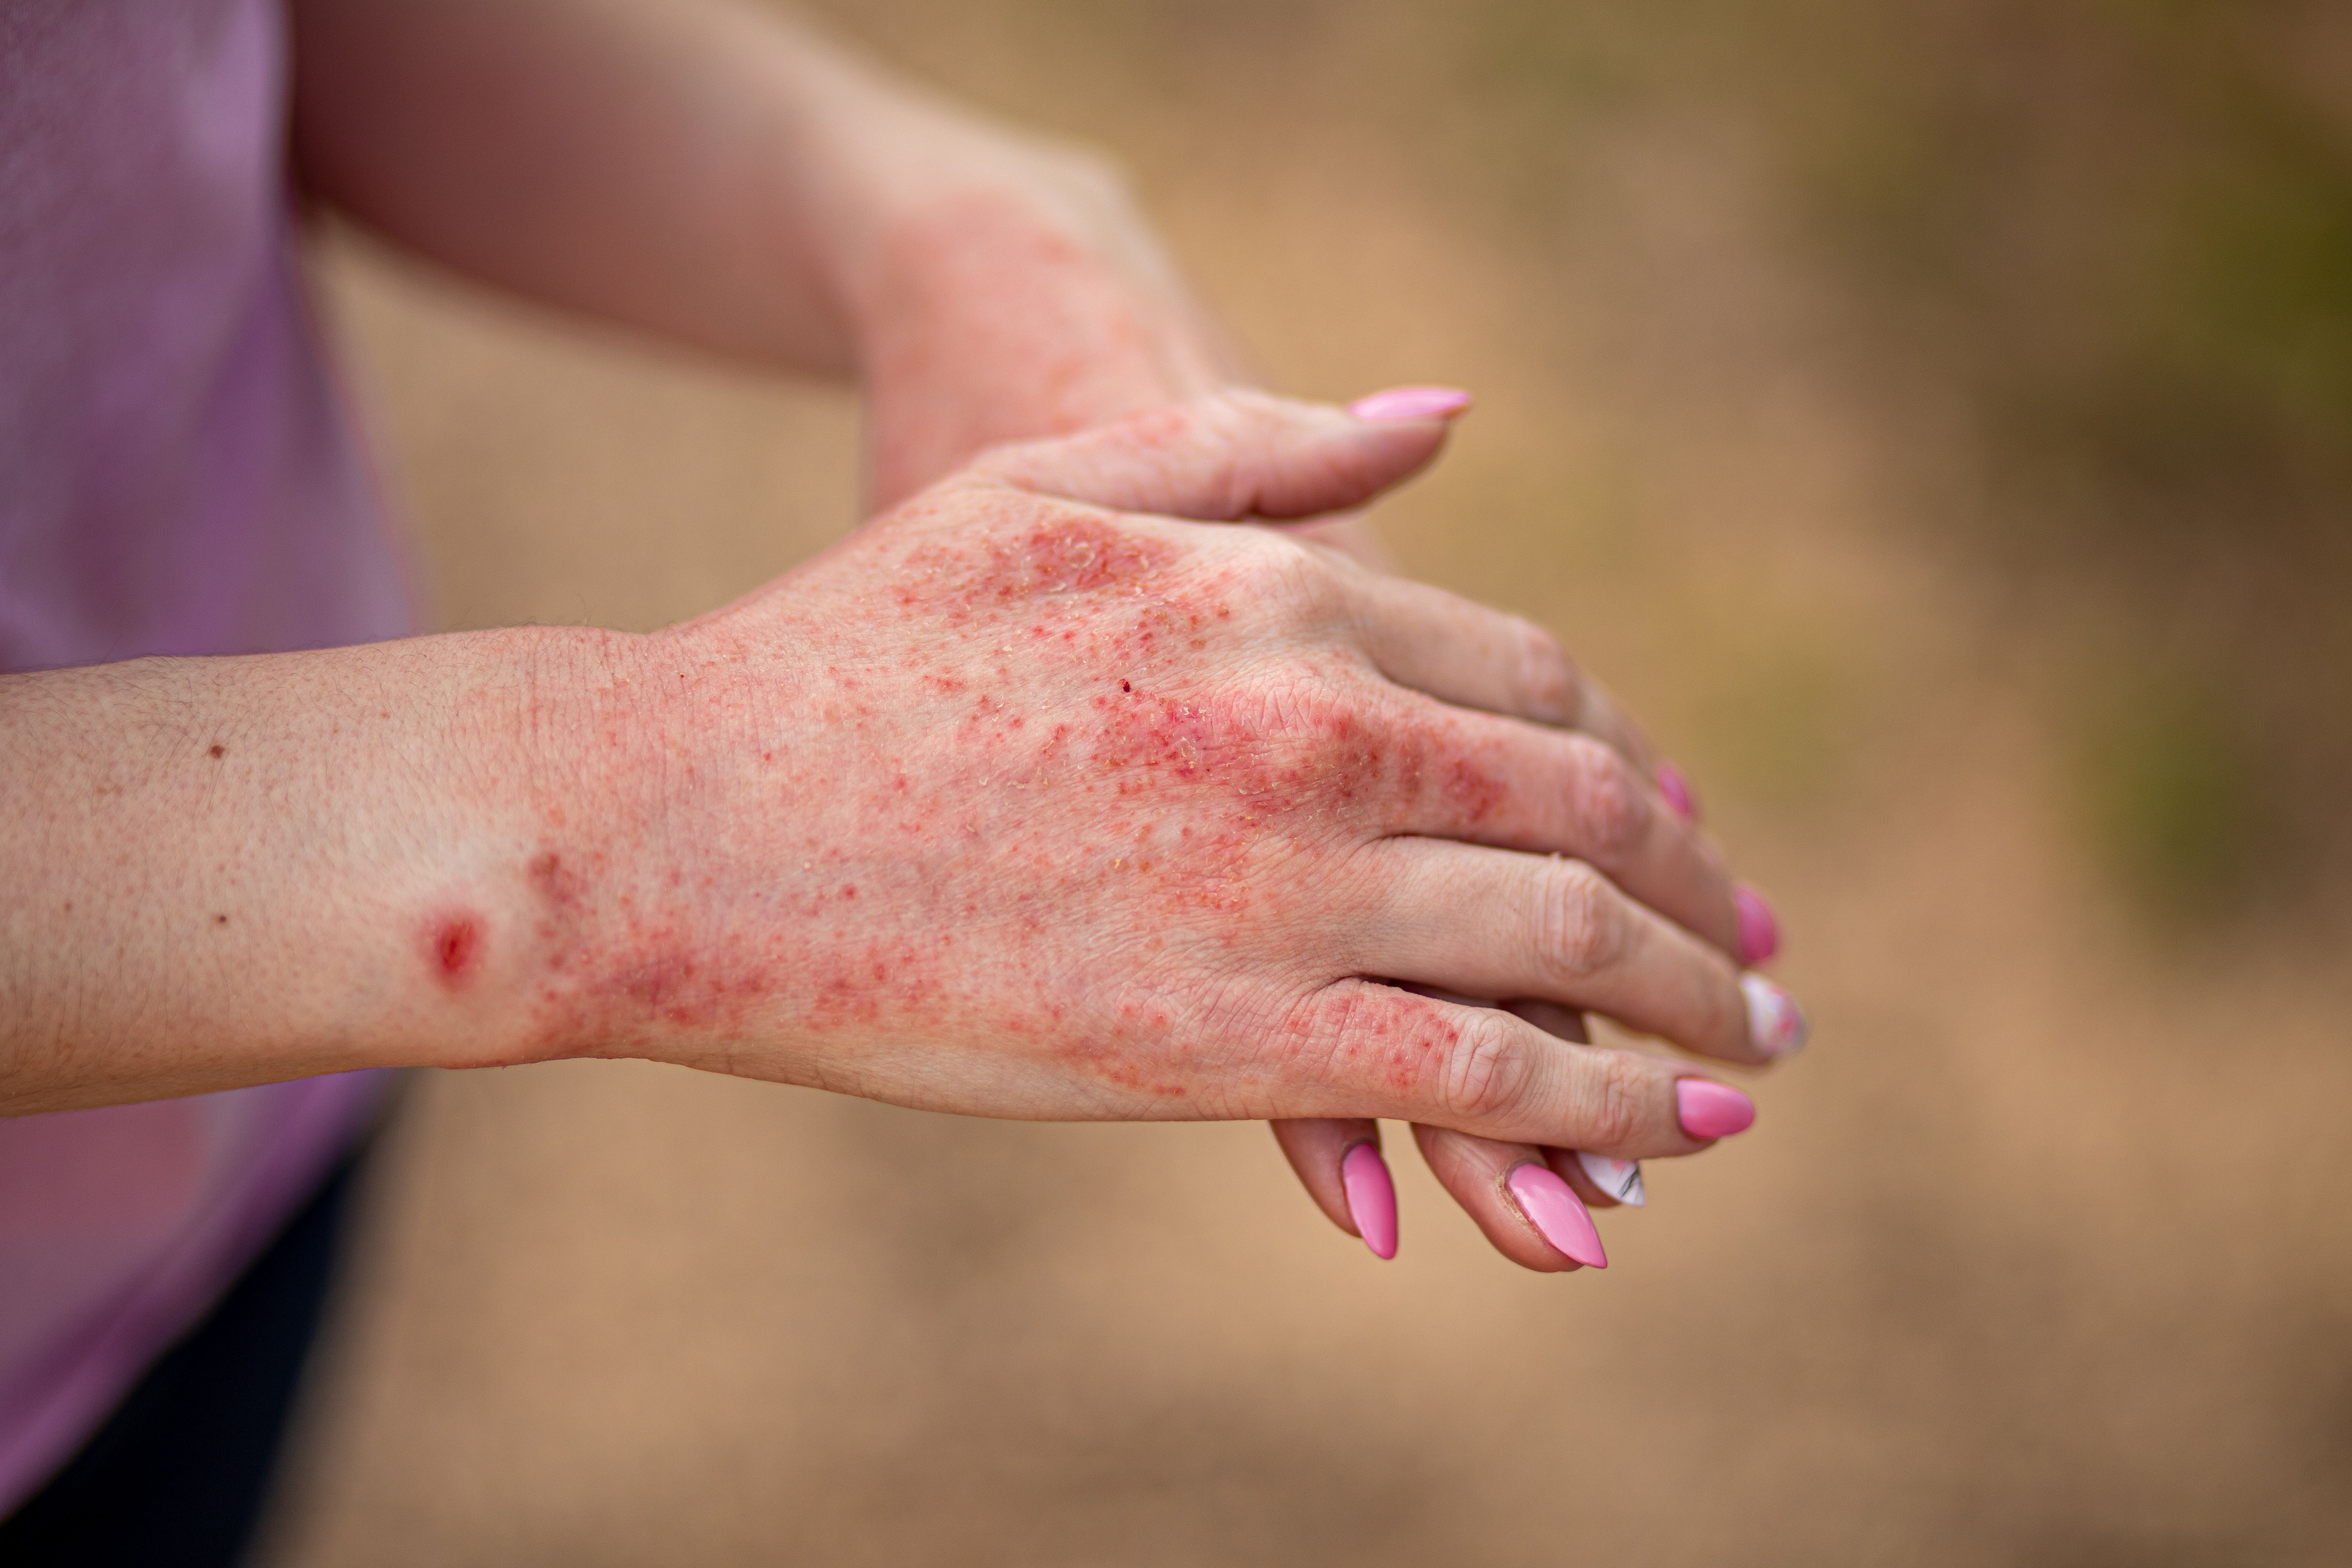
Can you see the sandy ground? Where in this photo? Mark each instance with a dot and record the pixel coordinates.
(2037, 1257)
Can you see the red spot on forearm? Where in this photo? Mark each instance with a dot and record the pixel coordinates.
(453, 949)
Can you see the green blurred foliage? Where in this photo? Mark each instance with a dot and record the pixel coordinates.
(2121, 230)
(2170, 800)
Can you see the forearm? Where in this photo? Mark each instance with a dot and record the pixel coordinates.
(228, 871)
(706, 171)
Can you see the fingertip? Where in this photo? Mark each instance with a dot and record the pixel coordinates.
(1704, 1109)
(1759, 929)
(1559, 1215)
(1676, 789)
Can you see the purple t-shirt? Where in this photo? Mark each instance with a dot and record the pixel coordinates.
(177, 476)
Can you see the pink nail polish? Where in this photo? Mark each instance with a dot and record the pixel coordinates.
(1760, 932)
(1411, 402)
(1371, 1198)
(1559, 1215)
(1677, 791)
(1708, 1109)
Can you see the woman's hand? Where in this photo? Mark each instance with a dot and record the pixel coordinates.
(1012, 289)
(1020, 291)
(1021, 802)
(1026, 295)
(1024, 801)
(715, 175)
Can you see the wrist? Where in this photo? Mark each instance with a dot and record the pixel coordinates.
(635, 760)
(535, 767)
(920, 200)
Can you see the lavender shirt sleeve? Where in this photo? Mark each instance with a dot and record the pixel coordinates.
(178, 475)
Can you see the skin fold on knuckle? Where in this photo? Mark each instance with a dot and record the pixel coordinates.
(1609, 809)
(1615, 1107)
(1488, 1075)
(1293, 584)
(1579, 928)
(1548, 676)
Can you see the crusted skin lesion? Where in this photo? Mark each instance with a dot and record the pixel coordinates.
(453, 949)
(1063, 554)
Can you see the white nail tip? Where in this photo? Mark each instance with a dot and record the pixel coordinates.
(1620, 1179)
(1774, 1021)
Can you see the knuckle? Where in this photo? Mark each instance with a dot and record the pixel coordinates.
(1487, 1071)
(1301, 709)
(1302, 722)
(1613, 1101)
(1548, 676)
(1288, 576)
(1609, 809)
(1580, 928)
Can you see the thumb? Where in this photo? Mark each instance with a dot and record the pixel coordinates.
(1238, 454)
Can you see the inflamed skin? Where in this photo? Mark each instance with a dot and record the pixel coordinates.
(1028, 799)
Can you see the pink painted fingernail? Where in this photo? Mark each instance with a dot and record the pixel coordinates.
(1677, 791)
(1775, 1022)
(1411, 402)
(1760, 932)
(1371, 1198)
(1559, 1215)
(1709, 1109)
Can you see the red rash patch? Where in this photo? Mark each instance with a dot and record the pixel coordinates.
(454, 948)
(1069, 555)
(1473, 792)
(1076, 556)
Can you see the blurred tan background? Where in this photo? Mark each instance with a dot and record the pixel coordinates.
(1937, 419)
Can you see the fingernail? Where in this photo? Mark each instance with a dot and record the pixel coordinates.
(1677, 791)
(1760, 932)
(1559, 1215)
(1411, 402)
(1620, 1179)
(1708, 1109)
(1775, 1022)
(1371, 1198)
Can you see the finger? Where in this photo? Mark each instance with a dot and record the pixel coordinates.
(1560, 1023)
(1599, 1181)
(1759, 929)
(1468, 655)
(1489, 922)
(1512, 786)
(1359, 1047)
(1471, 655)
(1232, 455)
(1338, 1161)
(1348, 534)
(1513, 1195)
